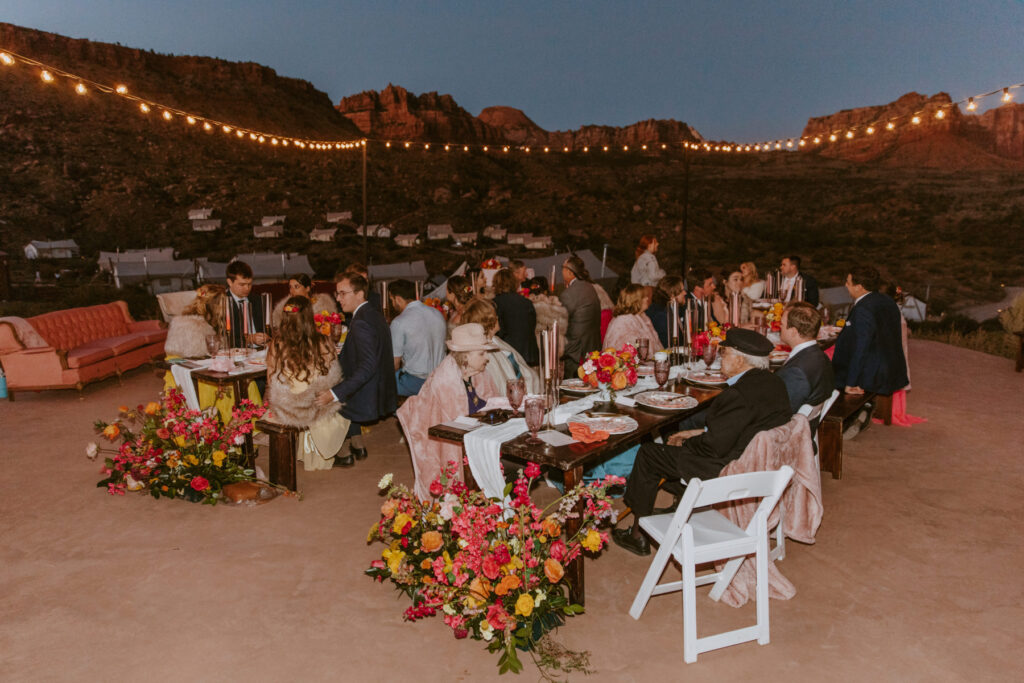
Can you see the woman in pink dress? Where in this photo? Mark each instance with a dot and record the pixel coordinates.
(630, 322)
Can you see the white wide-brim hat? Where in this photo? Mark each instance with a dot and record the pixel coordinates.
(470, 337)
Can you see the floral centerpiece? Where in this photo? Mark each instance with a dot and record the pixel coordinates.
(443, 307)
(713, 335)
(490, 264)
(773, 316)
(610, 370)
(173, 452)
(325, 321)
(493, 569)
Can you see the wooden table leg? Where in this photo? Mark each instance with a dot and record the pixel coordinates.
(282, 459)
(574, 572)
(883, 404)
(1020, 352)
(830, 446)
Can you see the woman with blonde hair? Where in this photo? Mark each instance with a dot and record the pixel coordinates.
(753, 285)
(646, 270)
(302, 362)
(187, 333)
(630, 322)
(505, 362)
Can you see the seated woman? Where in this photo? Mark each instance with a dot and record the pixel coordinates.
(734, 285)
(301, 285)
(549, 309)
(204, 317)
(607, 307)
(459, 292)
(301, 362)
(630, 323)
(458, 386)
(669, 287)
(505, 362)
(753, 285)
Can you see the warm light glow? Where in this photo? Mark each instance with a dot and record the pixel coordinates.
(167, 115)
(940, 114)
(565, 149)
(664, 146)
(890, 125)
(803, 142)
(465, 148)
(625, 148)
(144, 108)
(526, 149)
(407, 145)
(605, 148)
(262, 139)
(252, 136)
(239, 133)
(46, 76)
(387, 144)
(971, 105)
(81, 89)
(916, 120)
(446, 148)
(226, 129)
(1006, 95)
(832, 138)
(546, 150)
(191, 120)
(778, 145)
(644, 147)
(849, 135)
(485, 148)
(757, 148)
(586, 149)
(789, 143)
(6, 58)
(207, 127)
(504, 149)
(817, 141)
(284, 143)
(121, 90)
(871, 130)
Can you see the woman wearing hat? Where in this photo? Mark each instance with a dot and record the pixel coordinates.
(457, 387)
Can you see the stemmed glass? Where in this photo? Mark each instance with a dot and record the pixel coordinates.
(533, 410)
(661, 370)
(212, 344)
(709, 355)
(643, 348)
(515, 390)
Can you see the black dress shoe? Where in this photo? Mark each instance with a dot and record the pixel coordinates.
(667, 510)
(344, 460)
(359, 453)
(637, 545)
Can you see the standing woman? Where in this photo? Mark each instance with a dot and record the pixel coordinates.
(301, 362)
(646, 270)
(753, 285)
(301, 285)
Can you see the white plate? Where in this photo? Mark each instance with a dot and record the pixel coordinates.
(577, 386)
(701, 377)
(666, 400)
(617, 424)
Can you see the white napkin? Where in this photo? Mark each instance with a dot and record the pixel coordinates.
(483, 448)
(183, 378)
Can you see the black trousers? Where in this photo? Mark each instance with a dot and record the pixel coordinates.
(655, 462)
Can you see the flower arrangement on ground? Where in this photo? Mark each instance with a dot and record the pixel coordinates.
(612, 369)
(713, 335)
(325, 321)
(173, 452)
(494, 569)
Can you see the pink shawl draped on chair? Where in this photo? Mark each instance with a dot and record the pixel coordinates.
(442, 398)
(626, 329)
(790, 445)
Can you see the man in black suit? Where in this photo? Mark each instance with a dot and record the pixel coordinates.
(869, 350)
(517, 318)
(244, 328)
(790, 270)
(580, 300)
(367, 391)
(807, 372)
(755, 400)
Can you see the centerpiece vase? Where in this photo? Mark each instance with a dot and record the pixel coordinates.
(606, 393)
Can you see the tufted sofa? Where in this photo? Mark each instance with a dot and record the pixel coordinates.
(70, 348)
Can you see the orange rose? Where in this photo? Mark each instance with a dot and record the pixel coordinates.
(123, 409)
(619, 381)
(479, 590)
(426, 563)
(550, 527)
(111, 431)
(152, 408)
(431, 541)
(592, 380)
(553, 570)
(509, 582)
(388, 508)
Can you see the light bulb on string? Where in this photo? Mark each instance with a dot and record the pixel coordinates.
(426, 146)
(166, 115)
(273, 141)
(207, 127)
(446, 148)
(871, 130)
(465, 148)
(504, 149)
(46, 76)
(940, 114)
(407, 145)
(832, 138)
(239, 133)
(262, 139)
(6, 59)
(890, 125)
(916, 120)
(586, 149)
(144, 108)
(252, 136)
(121, 90)
(485, 148)
(664, 146)
(789, 144)
(971, 104)
(625, 148)
(526, 149)
(802, 143)
(284, 143)
(849, 135)
(191, 120)
(565, 149)
(388, 144)
(546, 150)
(226, 129)
(643, 147)
(817, 141)
(1006, 95)
(81, 89)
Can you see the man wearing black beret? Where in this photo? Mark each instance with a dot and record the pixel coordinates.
(753, 401)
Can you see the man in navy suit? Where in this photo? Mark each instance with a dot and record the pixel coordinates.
(241, 297)
(869, 350)
(807, 372)
(367, 391)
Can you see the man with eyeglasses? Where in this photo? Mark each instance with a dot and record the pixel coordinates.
(367, 391)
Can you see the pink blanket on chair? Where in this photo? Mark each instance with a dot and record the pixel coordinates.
(791, 445)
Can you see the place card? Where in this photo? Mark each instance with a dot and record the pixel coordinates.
(625, 401)
(553, 438)
(464, 423)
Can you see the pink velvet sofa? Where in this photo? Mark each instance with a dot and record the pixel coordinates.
(70, 348)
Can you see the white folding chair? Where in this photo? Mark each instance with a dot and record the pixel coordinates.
(696, 537)
(811, 412)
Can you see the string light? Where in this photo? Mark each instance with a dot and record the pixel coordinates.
(144, 108)
(207, 127)
(1006, 95)
(890, 125)
(971, 106)
(121, 90)
(46, 76)
(167, 115)
(940, 114)
(916, 120)
(871, 130)
(6, 59)
(190, 120)
(81, 89)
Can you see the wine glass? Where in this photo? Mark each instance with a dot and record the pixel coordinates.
(643, 348)
(533, 410)
(709, 356)
(661, 371)
(515, 390)
(212, 344)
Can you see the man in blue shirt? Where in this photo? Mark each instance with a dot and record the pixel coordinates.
(417, 337)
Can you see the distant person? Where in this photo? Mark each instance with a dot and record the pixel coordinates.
(504, 362)
(791, 274)
(646, 270)
(478, 282)
(300, 284)
(187, 332)
(246, 310)
(367, 390)
(670, 287)
(753, 285)
(520, 272)
(516, 316)
(549, 310)
(580, 300)
(459, 292)
(417, 337)
(807, 372)
(607, 307)
(703, 292)
(869, 350)
(630, 323)
(734, 285)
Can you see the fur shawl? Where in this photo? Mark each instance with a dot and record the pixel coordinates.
(186, 336)
(292, 402)
(626, 329)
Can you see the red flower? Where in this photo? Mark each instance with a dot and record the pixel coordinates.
(490, 567)
(163, 433)
(436, 489)
(461, 633)
(502, 555)
(199, 484)
(606, 360)
(558, 550)
(604, 376)
(497, 617)
(532, 470)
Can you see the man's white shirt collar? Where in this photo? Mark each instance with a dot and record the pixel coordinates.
(358, 307)
(801, 346)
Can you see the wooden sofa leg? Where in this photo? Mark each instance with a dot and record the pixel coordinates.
(282, 459)
(830, 446)
(81, 392)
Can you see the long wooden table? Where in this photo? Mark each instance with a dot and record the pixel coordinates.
(573, 458)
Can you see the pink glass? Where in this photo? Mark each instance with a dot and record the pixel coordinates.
(643, 348)
(533, 410)
(661, 371)
(515, 390)
(709, 355)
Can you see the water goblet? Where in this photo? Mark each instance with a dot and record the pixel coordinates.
(212, 344)
(661, 370)
(643, 348)
(533, 411)
(709, 356)
(515, 390)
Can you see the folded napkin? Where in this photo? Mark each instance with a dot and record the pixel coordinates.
(483, 449)
(585, 434)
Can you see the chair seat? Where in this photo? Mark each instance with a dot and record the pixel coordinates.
(714, 536)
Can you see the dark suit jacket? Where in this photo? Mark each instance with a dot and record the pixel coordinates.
(659, 315)
(869, 350)
(367, 390)
(758, 401)
(255, 310)
(808, 378)
(584, 333)
(517, 320)
(372, 298)
(810, 289)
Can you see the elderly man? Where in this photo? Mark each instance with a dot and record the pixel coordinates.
(807, 372)
(753, 401)
(580, 300)
(417, 337)
(790, 270)
(367, 392)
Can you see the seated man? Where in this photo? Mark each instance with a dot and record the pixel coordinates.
(755, 400)
(807, 372)
(417, 337)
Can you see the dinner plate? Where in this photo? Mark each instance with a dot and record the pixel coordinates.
(703, 377)
(577, 386)
(666, 400)
(613, 424)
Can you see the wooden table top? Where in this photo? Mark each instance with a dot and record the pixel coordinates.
(576, 455)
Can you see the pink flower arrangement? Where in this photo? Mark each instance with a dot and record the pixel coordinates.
(491, 264)
(613, 367)
(325, 320)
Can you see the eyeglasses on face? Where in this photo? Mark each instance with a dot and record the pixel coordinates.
(340, 292)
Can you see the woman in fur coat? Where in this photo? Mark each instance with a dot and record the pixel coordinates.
(186, 335)
(301, 285)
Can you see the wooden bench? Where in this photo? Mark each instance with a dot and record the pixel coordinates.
(832, 425)
(283, 441)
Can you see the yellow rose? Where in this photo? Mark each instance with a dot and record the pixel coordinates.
(192, 459)
(218, 458)
(400, 522)
(524, 605)
(180, 440)
(394, 559)
(592, 541)
(152, 408)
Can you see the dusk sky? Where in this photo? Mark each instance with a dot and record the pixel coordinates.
(745, 71)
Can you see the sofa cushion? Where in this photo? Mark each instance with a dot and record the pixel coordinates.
(73, 327)
(87, 354)
(124, 343)
(152, 336)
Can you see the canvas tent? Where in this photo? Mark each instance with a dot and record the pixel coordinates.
(266, 267)
(415, 271)
(57, 249)
(495, 232)
(199, 214)
(208, 225)
(407, 240)
(518, 237)
(465, 237)
(157, 276)
(267, 221)
(538, 242)
(267, 231)
(543, 264)
(107, 259)
(337, 216)
(322, 234)
(439, 231)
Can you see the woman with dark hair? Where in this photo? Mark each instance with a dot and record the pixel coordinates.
(301, 285)
(517, 318)
(646, 270)
(669, 287)
(459, 292)
(549, 309)
(302, 362)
